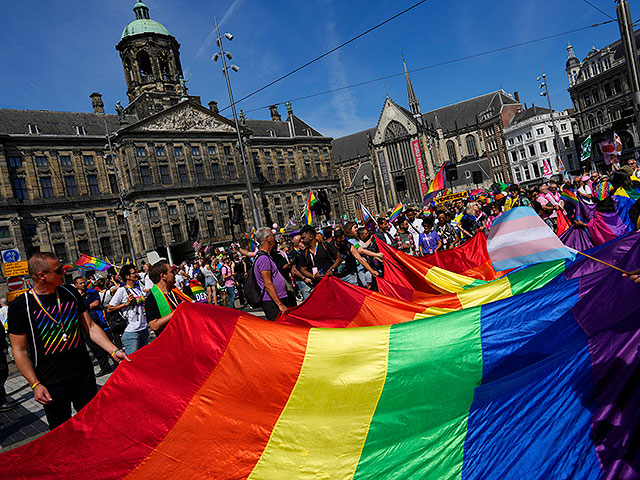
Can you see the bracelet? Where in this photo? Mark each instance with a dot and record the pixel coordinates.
(33, 387)
(114, 352)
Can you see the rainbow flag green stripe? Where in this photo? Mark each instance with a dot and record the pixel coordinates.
(443, 355)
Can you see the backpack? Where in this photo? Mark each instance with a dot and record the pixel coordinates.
(252, 291)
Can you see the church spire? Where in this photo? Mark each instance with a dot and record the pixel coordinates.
(414, 105)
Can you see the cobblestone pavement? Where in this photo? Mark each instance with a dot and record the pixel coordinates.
(27, 422)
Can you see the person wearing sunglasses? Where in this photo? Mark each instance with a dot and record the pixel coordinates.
(45, 328)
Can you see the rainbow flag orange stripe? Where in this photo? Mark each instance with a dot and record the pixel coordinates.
(395, 213)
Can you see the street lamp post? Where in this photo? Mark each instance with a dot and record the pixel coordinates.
(125, 212)
(545, 93)
(225, 71)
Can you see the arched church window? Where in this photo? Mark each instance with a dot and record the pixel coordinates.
(451, 150)
(471, 145)
(352, 173)
(144, 63)
(600, 118)
(163, 60)
(394, 130)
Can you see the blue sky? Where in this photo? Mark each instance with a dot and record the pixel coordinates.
(56, 53)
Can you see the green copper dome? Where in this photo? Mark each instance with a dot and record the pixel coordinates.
(144, 26)
(142, 23)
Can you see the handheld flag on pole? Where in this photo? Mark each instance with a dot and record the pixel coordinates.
(395, 213)
(546, 169)
(569, 196)
(561, 168)
(197, 246)
(520, 237)
(311, 201)
(367, 217)
(617, 142)
(87, 262)
(585, 151)
(440, 180)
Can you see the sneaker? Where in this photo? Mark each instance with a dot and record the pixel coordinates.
(7, 405)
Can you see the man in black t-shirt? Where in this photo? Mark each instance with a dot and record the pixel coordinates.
(45, 329)
(321, 258)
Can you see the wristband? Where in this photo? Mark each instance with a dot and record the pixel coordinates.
(33, 387)
(114, 352)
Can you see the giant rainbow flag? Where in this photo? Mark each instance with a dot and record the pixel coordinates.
(540, 385)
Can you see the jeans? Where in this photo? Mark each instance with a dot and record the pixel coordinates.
(232, 296)
(77, 390)
(132, 341)
(364, 277)
(305, 290)
(351, 278)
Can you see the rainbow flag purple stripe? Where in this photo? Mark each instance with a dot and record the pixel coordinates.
(520, 237)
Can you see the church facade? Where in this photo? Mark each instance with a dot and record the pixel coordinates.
(397, 160)
(173, 174)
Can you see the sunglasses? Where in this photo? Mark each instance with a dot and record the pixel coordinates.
(57, 271)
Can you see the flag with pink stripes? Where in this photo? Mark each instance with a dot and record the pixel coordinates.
(520, 237)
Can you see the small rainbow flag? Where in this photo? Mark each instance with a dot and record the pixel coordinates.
(440, 180)
(87, 262)
(395, 213)
(311, 201)
(199, 295)
(569, 196)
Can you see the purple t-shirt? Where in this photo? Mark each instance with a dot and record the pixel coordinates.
(264, 263)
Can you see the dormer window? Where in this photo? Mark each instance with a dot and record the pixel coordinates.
(271, 133)
(80, 130)
(33, 129)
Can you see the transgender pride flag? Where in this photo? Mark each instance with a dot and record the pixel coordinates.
(520, 237)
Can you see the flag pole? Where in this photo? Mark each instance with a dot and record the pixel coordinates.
(600, 261)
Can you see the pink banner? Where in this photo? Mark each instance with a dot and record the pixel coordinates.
(417, 153)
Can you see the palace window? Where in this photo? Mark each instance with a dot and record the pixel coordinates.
(145, 175)
(92, 181)
(113, 183)
(105, 246)
(141, 152)
(47, 188)
(55, 227)
(101, 222)
(199, 172)
(543, 147)
(195, 151)
(173, 210)
(212, 150)
(215, 170)
(191, 209)
(158, 239)
(41, 161)
(176, 231)
(231, 169)
(70, 185)
(4, 231)
(182, 174)
(211, 228)
(79, 224)
(15, 162)
(88, 160)
(65, 160)
(178, 151)
(161, 152)
(153, 212)
(227, 150)
(165, 178)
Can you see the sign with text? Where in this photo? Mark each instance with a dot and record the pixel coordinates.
(452, 197)
(16, 293)
(422, 177)
(15, 269)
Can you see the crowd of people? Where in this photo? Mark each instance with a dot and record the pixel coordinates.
(118, 312)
